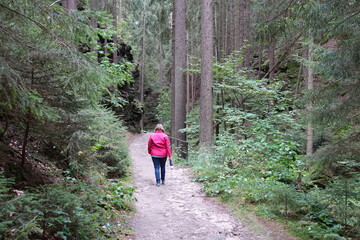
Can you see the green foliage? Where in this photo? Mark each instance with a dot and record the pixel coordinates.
(99, 145)
(164, 107)
(4, 198)
(255, 158)
(69, 210)
(48, 84)
(120, 195)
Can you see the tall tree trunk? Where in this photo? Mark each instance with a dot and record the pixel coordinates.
(242, 23)
(188, 94)
(232, 26)
(247, 32)
(25, 139)
(93, 8)
(142, 77)
(206, 96)
(229, 28)
(105, 7)
(237, 36)
(172, 78)
(180, 83)
(161, 65)
(115, 38)
(225, 17)
(221, 29)
(310, 87)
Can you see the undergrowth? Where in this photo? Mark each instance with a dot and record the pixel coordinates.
(69, 210)
(309, 211)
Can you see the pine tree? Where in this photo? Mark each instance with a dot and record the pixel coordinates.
(206, 97)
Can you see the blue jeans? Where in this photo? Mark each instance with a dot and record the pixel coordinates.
(159, 163)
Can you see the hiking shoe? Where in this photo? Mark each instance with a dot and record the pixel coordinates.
(163, 183)
(158, 184)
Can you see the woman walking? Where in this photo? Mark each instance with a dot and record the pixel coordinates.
(159, 149)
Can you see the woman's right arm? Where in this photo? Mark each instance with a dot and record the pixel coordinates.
(150, 143)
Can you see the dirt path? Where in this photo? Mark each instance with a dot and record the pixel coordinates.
(179, 210)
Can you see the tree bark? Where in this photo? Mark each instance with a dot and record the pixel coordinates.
(142, 77)
(221, 29)
(247, 32)
(310, 87)
(180, 83)
(206, 96)
(93, 8)
(172, 78)
(115, 38)
(25, 140)
(242, 23)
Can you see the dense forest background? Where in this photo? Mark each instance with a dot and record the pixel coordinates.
(261, 98)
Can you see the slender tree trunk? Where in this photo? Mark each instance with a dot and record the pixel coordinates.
(93, 8)
(105, 7)
(188, 94)
(242, 23)
(161, 65)
(310, 87)
(232, 26)
(206, 96)
(247, 32)
(225, 17)
(221, 16)
(172, 110)
(237, 36)
(142, 77)
(229, 29)
(25, 140)
(180, 83)
(115, 38)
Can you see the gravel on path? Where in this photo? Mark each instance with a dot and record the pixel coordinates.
(179, 209)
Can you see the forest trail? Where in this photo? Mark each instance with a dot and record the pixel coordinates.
(180, 210)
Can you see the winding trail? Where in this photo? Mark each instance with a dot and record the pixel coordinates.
(179, 209)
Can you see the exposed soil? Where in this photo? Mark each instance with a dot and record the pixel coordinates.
(180, 210)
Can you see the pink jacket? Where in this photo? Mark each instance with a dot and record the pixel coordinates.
(159, 145)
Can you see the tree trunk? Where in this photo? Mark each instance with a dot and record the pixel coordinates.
(237, 35)
(115, 38)
(310, 87)
(242, 23)
(142, 77)
(105, 7)
(247, 32)
(180, 83)
(172, 78)
(229, 29)
(221, 29)
(25, 140)
(93, 8)
(161, 65)
(206, 98)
